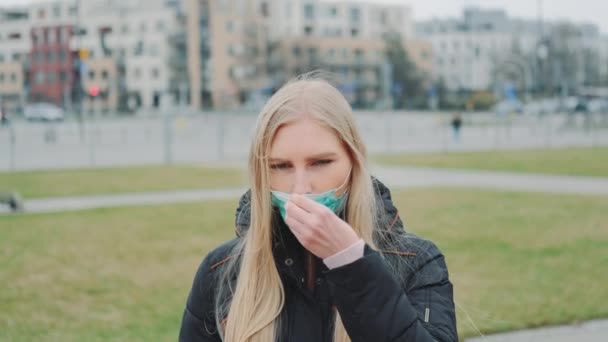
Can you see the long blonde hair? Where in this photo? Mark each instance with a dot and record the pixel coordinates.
(250, 311)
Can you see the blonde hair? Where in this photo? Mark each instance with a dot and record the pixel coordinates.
(250, 311)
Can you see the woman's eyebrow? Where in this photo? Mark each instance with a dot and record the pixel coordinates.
(322, 156)
(313, 157)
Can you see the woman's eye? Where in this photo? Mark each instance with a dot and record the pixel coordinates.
(322, 162)
(279, 166)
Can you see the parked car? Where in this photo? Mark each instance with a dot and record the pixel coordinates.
(508, 107)
(43, 112)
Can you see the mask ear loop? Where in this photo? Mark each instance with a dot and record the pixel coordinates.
(345, 182)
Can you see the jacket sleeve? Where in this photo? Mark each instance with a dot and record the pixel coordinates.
(374, 306)
(198, 321)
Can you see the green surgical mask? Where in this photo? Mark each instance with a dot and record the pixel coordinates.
(327, 198)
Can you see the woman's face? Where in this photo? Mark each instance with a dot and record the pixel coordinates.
(307, 158)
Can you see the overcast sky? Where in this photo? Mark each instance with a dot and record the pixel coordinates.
(595, 11)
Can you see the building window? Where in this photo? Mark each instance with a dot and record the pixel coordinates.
(81, 31)
(1, 78)
(153, 50)
(354, 14)
(73, 11)
(63, 56)
(51, 78)
(354, 32)
(229, 26)
(383, 17)
(1, 58)
(63, 76)
(308, 30)
(160, 26)
(125, 28)
(264, 9)
(16, 57)
(104, 75)
(155, 73)
(91, 75)
(13, 77)
(309, 11)
(139, 48)
(50, 57)
(137, 73)
(57, 11)
(333, 12)
(39, 77)
(14, 36)
(359, 56)
(41, 13)
(288, 9)
(296, 51)
(142, 27)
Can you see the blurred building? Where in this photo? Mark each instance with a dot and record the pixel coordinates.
(128, 44)
(50, 66)
(240, 51)
(15, 48)
(467, 50)
(486, 49)
(345, 38)
(100, 78)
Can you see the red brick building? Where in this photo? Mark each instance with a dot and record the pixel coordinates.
(50, 69)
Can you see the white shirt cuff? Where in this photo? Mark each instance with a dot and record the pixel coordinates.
(345, 256)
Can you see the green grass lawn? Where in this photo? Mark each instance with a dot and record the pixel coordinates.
(118, 180)
(571, 161)
(517, 260)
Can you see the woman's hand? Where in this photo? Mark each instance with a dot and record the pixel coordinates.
(317, 228)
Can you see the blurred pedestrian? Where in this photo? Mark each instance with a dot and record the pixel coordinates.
(3, 115)
(456, 126)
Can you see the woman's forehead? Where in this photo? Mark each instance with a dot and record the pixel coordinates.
(304, 137)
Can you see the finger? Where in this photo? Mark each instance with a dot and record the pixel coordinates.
(307, 204)
(296, 227)
(297, 213)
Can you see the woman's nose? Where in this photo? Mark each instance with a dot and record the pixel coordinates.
(301, 183)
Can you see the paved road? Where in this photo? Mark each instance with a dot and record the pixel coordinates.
(394, 177)
(594, 331)
(398, 177)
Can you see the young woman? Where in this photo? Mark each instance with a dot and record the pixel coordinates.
(320, 253)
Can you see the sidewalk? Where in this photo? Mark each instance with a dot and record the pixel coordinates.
(394, 177)
(408, 177)
(593, 331)
(55, 204)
